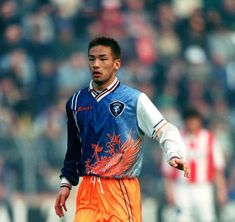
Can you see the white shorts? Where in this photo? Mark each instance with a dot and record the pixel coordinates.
(195, 203)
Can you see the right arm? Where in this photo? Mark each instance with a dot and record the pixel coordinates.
(168, 189)
(69, 170)
(69, 175)
(220, 181)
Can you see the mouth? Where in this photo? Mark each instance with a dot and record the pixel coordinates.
(96, 73)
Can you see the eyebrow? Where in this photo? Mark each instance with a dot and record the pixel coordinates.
(101, 55)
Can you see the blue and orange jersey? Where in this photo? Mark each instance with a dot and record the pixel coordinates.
(104, 139)
(105, 131)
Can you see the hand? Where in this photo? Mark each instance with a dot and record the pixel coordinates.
(221, 198)
(221, 188)
(181, 165)
(60, 203)
(170, 198)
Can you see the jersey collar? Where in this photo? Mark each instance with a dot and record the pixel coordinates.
(98, 95)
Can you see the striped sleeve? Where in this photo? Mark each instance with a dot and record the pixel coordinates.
(73, 153)
(150, 120)
(154, 125)
(218, 155)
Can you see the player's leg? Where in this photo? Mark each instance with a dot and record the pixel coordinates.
(108, 200)
(184, 210)
(87, 204)
(205, 203)
(121, 201)
(87, 215)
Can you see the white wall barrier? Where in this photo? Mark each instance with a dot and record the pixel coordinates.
(40, 208)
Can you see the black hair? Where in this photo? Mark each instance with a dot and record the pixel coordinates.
(191, 112)
(106, 41)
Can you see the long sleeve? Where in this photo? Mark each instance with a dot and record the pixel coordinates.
(73, 154)
(154, 125)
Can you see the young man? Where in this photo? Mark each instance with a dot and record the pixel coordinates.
(193, 200)
(106, 124)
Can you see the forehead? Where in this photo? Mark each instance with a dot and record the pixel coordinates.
(193, 118)
(100, 50)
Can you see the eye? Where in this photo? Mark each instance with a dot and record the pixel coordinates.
(103, 58)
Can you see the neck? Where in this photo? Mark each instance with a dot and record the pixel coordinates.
(195, 131)
(101, 86)
(98, 87)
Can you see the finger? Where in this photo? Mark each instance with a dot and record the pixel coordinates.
(62, 204)
(59, 211)
(182, 165)
(173, 163)
(58, 208)
(186, 171)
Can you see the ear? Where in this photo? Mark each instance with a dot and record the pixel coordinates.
(117, 64)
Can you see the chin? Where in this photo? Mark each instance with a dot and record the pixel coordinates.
(98, 81)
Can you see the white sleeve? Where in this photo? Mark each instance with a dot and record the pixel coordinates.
(171, 142)
(65, 181)
(153, 124)
(149, 118)
(218, 156)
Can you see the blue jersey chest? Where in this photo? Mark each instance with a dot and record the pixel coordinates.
(115, 111)
(109, 133)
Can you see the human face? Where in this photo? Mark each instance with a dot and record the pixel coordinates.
(193, 125)
(103, 66)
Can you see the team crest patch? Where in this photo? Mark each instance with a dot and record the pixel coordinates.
(116, 108)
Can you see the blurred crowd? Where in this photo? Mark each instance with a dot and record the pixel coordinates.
(179, 52)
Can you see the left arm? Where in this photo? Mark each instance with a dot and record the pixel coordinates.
(153, 124)
(219, 178)
(221, 188)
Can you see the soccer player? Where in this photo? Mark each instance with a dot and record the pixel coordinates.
(106, 124)
(194, 199)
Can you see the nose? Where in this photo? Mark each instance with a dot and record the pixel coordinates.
(96, 63)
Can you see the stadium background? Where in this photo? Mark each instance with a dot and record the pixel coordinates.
(178, 52)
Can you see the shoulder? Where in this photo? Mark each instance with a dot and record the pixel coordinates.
(130, 90)
(72, 101)
(135, 92)
(207, 132)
